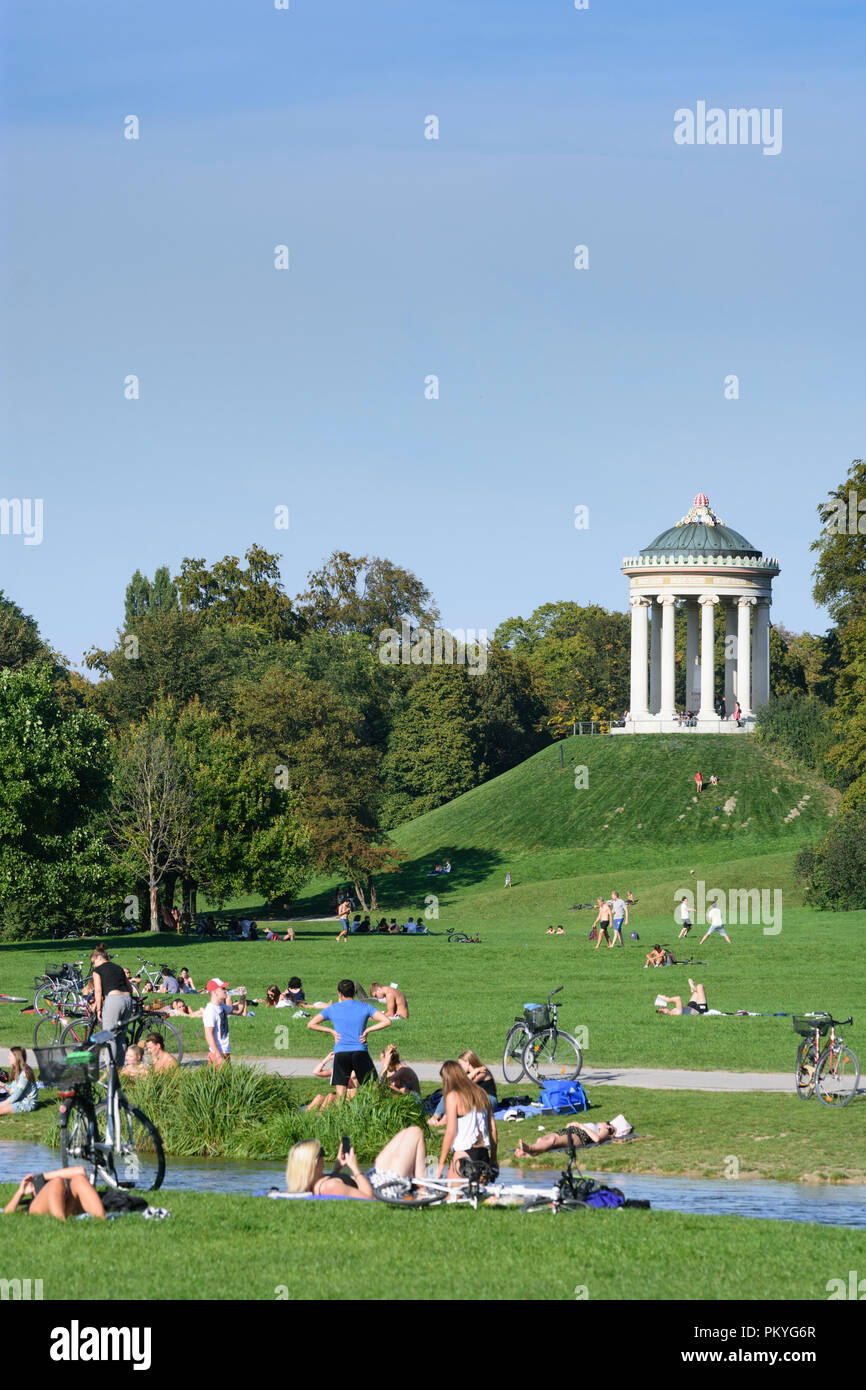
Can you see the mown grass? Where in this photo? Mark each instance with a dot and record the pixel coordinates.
(245, 1247)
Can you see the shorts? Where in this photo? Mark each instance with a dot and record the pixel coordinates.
(697, 1008)
(617, 925)
(387, 1178)
(720, 929)
(687, 926)
(347, 1062)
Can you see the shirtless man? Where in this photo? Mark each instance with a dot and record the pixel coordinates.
(395, 999)
(697, 1001)
(585, 1133)
(602, 921)
(160, 1060)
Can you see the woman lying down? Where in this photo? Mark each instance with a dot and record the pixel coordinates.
(581, 1133)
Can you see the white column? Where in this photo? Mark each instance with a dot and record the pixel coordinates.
(639, 658)
(761, 655)
(655, 698)
(730, 657)
(691, 653)
(707, 710)
(667, 708)
(744, 655)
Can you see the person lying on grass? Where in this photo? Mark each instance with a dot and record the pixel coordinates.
(23, 1092)
(582, 1135)
(404, 1156)
(470, 1129)
(63, 1192)
(697, 1001)
(178, 1006)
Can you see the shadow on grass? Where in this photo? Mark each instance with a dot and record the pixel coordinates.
(405, 892)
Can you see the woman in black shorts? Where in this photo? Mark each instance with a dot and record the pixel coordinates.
(63, 1193)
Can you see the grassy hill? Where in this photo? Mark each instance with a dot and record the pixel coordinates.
(634, 811)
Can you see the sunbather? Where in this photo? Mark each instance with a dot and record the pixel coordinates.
(583, 1133)
(403, 1156)
(63, 1192)
(697, 1001)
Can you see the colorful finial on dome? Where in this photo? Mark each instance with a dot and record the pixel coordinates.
(700, 513)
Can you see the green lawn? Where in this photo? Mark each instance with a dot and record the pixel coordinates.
(251, 1248)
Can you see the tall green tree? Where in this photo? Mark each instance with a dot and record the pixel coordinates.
(434, 752)
(226, 592)
(366, 595)
(145, 596)
(54, 866)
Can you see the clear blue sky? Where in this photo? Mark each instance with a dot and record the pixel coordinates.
(410, 257)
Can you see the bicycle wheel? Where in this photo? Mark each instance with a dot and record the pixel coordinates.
(78, 1031)
(79, 1136)
(512, 1058)
(137, 1159)
(403, 1192)
(48, 1030)
(51, 998)
(172, 1038)
(552, 1056)
(804, 1076)
(838, 1075)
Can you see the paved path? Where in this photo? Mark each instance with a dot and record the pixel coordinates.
(647, 1078)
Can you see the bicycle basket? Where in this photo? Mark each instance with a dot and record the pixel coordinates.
(536, 1017)
(62, 1066)
(807, 1026)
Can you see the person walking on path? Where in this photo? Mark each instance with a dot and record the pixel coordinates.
(601, 922)
(215, 1018)
(715, 924)
(619, 919)
(352, 1021)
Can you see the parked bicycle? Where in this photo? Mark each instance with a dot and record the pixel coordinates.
(60, 987)
(112, 1139)
(458, 938)
(82, 1031)
(832, 1071)
(538, 1047)
(149, 974)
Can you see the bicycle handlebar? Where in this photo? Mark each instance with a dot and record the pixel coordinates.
(554, 991)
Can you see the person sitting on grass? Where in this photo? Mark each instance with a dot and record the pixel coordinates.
(160, 1060)
(393, 927)
(64, 1192)
(23, 1092)
(135, 1065)
(273, 998)
(183, 1010)
(659, 955)
(187, 984)
(583, 1134)
(397, 1074)
(325, 1068)
(470, 1129)
(697, 1001)
(395, 1000)
(294, 995)
(404, 1156)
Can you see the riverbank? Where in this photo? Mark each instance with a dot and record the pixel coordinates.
(503, 1254)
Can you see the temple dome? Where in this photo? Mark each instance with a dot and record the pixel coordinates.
(701, 531)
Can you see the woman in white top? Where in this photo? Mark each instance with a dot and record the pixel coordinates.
(470, 1129)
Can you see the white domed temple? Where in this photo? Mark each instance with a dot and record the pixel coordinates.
(700, 563)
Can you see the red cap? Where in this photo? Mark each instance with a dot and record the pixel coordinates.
(216, 984)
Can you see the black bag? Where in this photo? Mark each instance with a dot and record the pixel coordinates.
(119, 1199)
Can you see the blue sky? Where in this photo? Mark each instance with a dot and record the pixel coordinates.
(412, 257)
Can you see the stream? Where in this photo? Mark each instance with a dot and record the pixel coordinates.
(825, 1203)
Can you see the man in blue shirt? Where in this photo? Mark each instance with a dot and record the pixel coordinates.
(352, 1020)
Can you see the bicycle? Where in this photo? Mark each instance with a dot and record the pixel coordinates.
(832, 1072)
(459, 938)
(149, 973)
(60, 987)
(113, 1140)
(536, 1046)
(476, 1186)
(80, 1032)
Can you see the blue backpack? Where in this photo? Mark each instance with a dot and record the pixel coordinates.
(563, 1097)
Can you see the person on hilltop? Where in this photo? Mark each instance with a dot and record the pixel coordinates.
(352, 1021)
(699, 781)
(508, 879)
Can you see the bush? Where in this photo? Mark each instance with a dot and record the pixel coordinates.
(800, 728)
(242, 1112)
(834, 870)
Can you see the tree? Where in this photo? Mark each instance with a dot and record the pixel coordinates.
(580, 654)
(20, 642)
(357, 594)
(54, 867)
(227, 593)
(511, 711)
(152, 816)
(434, 752)
(146, 597)
(787, 675)
(834, 870)
(314, 745)
(840, 574)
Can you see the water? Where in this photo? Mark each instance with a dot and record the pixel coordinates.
(823, 1203)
